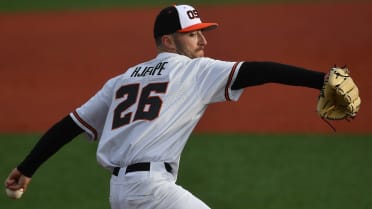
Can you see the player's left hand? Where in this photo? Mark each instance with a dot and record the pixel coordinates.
(339, 98)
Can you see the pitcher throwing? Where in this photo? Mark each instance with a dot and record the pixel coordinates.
(144, 117)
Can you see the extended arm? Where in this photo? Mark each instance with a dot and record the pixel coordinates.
(55, 138)
(257, 73)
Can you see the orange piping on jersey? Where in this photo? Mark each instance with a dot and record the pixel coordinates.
(227, 96)
(93, 130)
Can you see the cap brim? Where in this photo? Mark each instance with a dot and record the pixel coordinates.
(199, 26)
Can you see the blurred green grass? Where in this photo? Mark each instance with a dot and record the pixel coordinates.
(25, 5)
(40, 5)
(225, 171)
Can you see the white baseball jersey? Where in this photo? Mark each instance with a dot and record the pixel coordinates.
(148, 113)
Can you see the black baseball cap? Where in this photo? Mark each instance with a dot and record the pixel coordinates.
(179, 18)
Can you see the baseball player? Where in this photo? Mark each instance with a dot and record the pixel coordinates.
(144, 117)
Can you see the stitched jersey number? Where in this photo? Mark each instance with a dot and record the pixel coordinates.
(148, 106)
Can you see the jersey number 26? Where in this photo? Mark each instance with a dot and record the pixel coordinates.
(147, 106)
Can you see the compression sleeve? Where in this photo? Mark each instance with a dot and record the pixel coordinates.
(257, 73)
(56, 137)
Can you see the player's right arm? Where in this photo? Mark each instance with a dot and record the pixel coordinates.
(56, 137)
(93, 113)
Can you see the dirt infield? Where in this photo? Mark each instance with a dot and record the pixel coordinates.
(51, 63)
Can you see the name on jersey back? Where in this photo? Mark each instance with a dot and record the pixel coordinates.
(141, 71)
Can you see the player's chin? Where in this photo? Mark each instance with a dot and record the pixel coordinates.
(199, 53)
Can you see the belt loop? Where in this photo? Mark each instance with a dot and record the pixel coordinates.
(168, 167)
(116, 171)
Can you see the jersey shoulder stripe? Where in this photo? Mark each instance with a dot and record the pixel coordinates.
(84, 125)
(229, 81)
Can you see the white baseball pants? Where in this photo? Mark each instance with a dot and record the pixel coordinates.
(154, 189)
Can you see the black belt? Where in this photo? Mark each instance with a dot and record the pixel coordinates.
(139, 167)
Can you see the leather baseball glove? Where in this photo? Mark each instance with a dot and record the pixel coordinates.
(339, 98)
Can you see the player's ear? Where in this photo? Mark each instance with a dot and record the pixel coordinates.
(168, 42)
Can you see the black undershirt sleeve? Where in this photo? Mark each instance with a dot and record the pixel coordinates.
(257, 73)
(55, 138)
